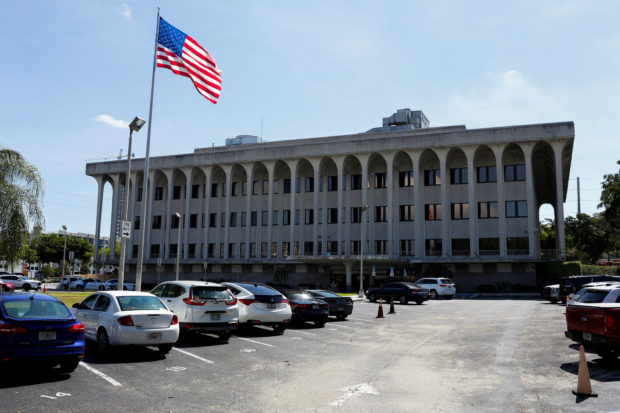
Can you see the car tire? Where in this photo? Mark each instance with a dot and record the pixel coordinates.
(342, 317)
(67, 366)
(279, 328)
(101, 288)
(433, 295)
(403, 299)
(26, 287)
(608, 354)
(125, 287)
(319, 324)
(165, 348)
(224, 335)
(553, 301)
(103, 343)
(419, 302)
(372, 298)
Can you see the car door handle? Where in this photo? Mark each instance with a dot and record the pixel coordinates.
(169, 301)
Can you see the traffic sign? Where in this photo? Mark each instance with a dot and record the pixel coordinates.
(126, 229)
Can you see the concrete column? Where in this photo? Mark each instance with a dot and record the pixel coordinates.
(100, 186)
(132, 207)
(148, 197)
(470, 153)
(532, 224)
(324, 219)
(293, 167)
(389, 172)
(348, 267)
(228, 170)
(249, 171)
(113, 218)
(188, 194)
(271, 174)
(559, 200)
(418, 176)
(369, 212)
(169, 173)
(315, 225)
(206, 209)
(339, 160)
(498, 150)
(446, 242)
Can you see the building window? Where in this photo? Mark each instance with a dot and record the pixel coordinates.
(214, 190)
(458, 176)
(243, 218)
(356, 182)
(460, 211)
(309, 217)
(433, 247)
(136, 222)
(460, 246)
(343, 217)
(332, 183)
(234, 189)
(287, 186)
(487, 174)
(432, 177)
(202, 220)
(297, 217)
(320, 184)
(296, 249)
(487, 210)
(265, 187)
(139, 197)
(286, 249)
(274, 218)
(308, 246)
(332, 215)
(405, 179)
(221, 250)
(193, 221)
(154, 250)
(233, 219)
(516, 209)
(276, 186)
(212, 219)
(274, 250)
(380, 247)
(223, 219)
(254, 218)
(297, 185)
(255, 187)
(159, 193)
(332, 247)
(174, 221)
(514, 173)
(488, 246)
(356, 215)
(380, 180)
(432, 212)
(195, 191)
(176, 192)
(174, 248)
(242, 249)
(309, 184)
(156, 222)
(232, 250)
(320, 216)
(518, 246)
(211, 250)
(381, 213)
(134, 251)
(252, 250)
(407, 247)
(264, 218)
(355, 247)
(286, 217)
(244, 188)
(407, 213)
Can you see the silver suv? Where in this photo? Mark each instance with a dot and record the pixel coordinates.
(201, 306)
(438, 287)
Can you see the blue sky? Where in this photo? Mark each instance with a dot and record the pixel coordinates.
(76, 72)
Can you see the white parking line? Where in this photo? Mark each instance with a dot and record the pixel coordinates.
(100, 374)
(192, 355)
(254, 341)
(358, 319)
(302, 332)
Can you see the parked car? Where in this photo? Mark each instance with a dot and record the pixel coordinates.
(66, 281)
(570, 285)
(260, 304)
(593, 319)
(201, 306)
(584, 288)
(399, 291)
(39, 328)
(306, 307)
(438, 287)
(113, 285)
(93, 284)
(78, 284)
(339, 306)
(119, 318)
(551, 293)
(6, 286)
(19, 281)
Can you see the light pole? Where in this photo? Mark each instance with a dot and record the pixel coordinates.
(135, 125)
(178, 241)
(362, 224)
(64, 251)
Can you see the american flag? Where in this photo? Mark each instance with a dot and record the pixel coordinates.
(184, 56)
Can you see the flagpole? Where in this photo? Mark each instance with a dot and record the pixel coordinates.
(145, 193)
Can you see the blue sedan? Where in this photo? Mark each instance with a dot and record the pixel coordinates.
(40, 328)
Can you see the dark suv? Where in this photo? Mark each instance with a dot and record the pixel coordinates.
(570, 285)
(399, 291)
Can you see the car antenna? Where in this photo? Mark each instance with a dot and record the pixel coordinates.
(32, 296)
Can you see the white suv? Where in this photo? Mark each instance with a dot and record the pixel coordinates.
(438, 287)
(201, 306)
(19, 281)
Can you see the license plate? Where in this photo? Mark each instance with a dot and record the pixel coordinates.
(339, 308)
(215, 316)
(587, 336)
(271, 305)
(153, 336)
(47, 335)
(315, 306)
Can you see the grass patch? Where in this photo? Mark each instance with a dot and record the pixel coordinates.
(348, 294)
(69, 298)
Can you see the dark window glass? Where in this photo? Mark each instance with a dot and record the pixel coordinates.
(405, 179)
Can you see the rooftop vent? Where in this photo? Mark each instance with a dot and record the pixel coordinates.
(403, 119)
(243, 140)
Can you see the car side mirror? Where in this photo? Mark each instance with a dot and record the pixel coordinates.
(76, 305)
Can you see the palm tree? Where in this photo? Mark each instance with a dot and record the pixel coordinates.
(21, 193)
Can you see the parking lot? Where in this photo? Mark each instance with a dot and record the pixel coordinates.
(445, 355)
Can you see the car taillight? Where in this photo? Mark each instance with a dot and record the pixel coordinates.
(77, 328)
(6, 328)
(415, 290)
(443, 285)
(190, 300)
(285, 302)
(349, 301)
(125, 321)
(175, 320)
(232, 300)
(299, 305)
(247, 301)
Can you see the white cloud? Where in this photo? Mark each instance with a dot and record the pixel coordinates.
(109, 120)
(124, 10)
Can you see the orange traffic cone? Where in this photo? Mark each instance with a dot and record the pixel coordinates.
(584, 388)
(44, 288)
(392, 306)
(380, 313)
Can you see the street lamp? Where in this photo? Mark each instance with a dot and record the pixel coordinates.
(64, 250)
(362, 222)
(135, 125)
(176, 214)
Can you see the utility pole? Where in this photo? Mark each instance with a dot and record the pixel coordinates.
(578, 197)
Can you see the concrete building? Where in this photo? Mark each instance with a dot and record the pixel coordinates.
(466, 199)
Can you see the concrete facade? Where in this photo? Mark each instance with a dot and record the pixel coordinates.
(467, 199)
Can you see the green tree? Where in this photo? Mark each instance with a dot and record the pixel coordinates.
(21, 192)
(547, 234)
(51, 247)
(585, 237)
(610, 200)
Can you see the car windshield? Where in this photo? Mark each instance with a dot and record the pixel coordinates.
(139, 302)
(297, 295)
(447, 281)
(259, 289)
(210, 293)
(411, 285)
(27, 308)
(326, 293)
(593, 296)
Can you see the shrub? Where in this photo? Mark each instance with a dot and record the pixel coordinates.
(600, 269)
(552, 272)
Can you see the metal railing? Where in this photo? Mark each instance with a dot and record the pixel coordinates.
(489, 252)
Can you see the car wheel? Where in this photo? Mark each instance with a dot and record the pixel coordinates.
(403, 299)
(124, 287)
(372, 298)
(26, 287)
(279, 328)
(67, 366)
(553, 301)
(165, 348)
(224, 335)
(419, 302)
(319, 324)
(433, 295)
(103, 343)
(101, 288)
(608, 354)
(341, 316)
